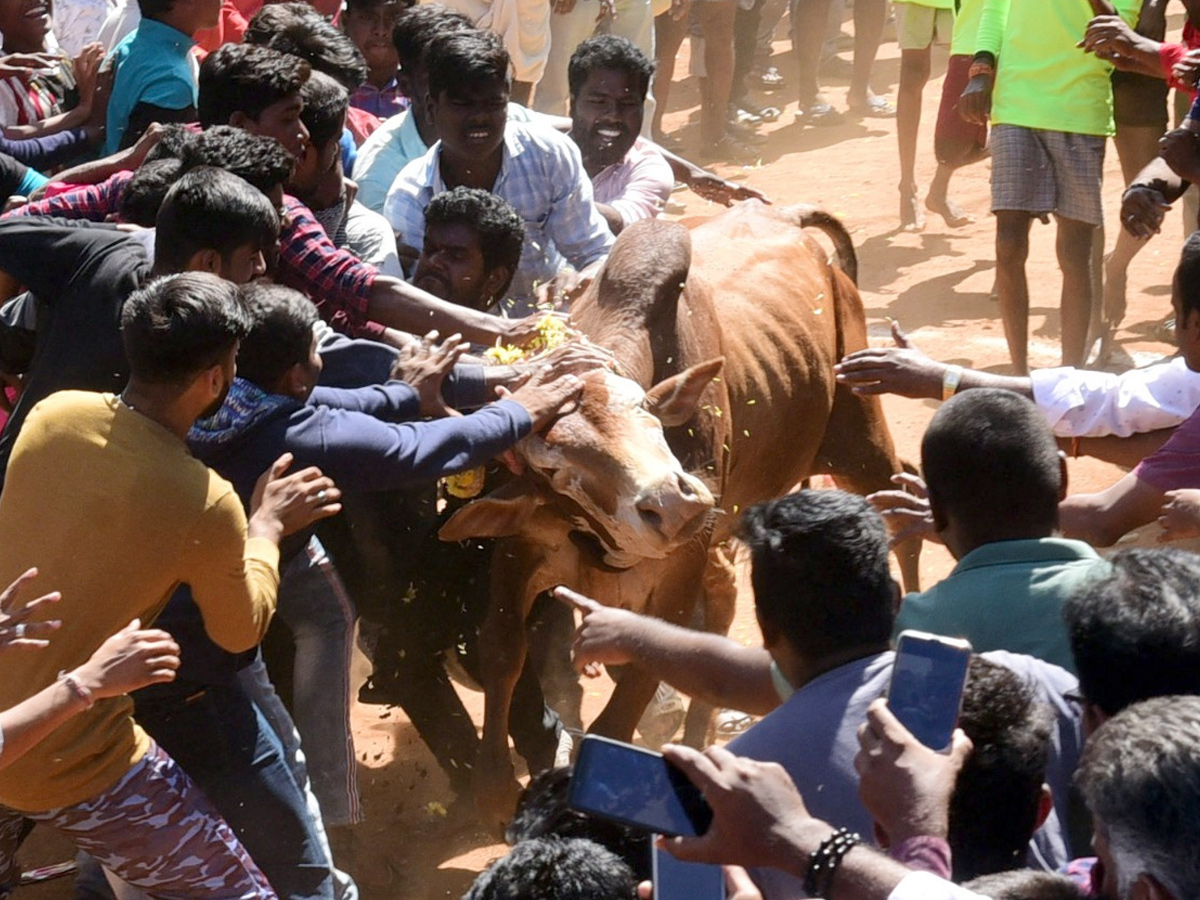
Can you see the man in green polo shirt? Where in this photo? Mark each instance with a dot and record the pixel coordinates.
(995, 478)
(1051, 113)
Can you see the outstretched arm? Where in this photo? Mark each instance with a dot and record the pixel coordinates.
(709, 667)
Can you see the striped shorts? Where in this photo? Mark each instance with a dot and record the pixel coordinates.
(156, 830)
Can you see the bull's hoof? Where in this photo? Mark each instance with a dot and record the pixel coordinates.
(496, 792)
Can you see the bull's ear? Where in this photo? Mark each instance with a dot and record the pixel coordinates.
(674, 399)
(502, 513)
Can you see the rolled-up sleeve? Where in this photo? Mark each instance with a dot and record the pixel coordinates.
(1082, 403)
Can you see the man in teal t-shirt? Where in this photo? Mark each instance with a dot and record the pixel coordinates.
(1051, 114)
(155, 69)
(995, 478)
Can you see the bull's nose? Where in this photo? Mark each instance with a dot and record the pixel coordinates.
(676, 507)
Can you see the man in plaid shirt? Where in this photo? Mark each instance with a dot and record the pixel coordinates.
(533, 167)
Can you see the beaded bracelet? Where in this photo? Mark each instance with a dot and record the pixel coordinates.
(824, 861)
(981, 68)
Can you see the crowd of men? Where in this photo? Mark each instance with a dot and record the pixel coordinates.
(249, 261)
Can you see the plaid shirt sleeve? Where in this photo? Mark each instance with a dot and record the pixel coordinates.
(94, 202)
(335, 279)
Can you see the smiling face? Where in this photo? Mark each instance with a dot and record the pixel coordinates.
(470, 121)
(25, 24)
(606, 117)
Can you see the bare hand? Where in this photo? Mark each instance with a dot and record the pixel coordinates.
(521, 332)
(1187, 70)
(26, 66)
(759, 818)
(903, 784)
(564, 288)
(603, 636)
(1143, 210)
(87, 69)
(906, 511)
(545, 397)
(902, 370)
(424, 365)
(284, 504)
(149, 139)
(1180, 515)
(1180, 149)
(575, 358)
(1108, 37)
(975, 104)
(718, 190)
(132, 658)
(15, 629)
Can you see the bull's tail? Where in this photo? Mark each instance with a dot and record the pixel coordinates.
(805, 215)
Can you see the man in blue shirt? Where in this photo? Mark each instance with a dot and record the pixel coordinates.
(155, 70)
(536, 169)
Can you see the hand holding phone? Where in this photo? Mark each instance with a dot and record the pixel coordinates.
(637, 787)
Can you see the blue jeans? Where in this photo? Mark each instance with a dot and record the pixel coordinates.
(226, 745)
(318, 611)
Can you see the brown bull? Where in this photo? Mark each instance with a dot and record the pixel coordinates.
(606, 508)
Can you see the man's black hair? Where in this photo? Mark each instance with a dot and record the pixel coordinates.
(274, 18)
(325, 48)
(175, 137)
(1026, 884)
(155, 9)
(262, 161)
(325, 105)
(1135, 630)
(1187, 275)
(500, 228)
(1140, 776)
(420, 24)
(571, 869)
(994, 808)
(142, 198)
(460, 59)
(819, 567)
(178, 326)
(246, 78)
(280, 335)
(608, 51)
(211, 209)
(543, 811)
(991, 462)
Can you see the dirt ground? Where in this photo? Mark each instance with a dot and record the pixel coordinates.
(935, 283)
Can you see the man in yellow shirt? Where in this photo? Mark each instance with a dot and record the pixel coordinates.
(104, 498)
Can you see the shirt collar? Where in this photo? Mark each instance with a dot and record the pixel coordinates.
(161, 33)
(1034, 550)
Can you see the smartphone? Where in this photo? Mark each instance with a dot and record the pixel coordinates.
(636, 787)
(674, 879)
(927, 685)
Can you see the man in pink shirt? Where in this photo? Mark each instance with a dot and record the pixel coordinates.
(631, 180)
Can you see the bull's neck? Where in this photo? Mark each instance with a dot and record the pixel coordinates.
(629, 343)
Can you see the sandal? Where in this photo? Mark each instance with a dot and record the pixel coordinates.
(819, 113)
(876, 108)
(765, 113)
(769, 79)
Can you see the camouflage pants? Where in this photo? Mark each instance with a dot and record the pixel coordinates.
(157, 831)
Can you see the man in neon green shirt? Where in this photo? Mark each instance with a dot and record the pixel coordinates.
(1051, 114)
(919, 24)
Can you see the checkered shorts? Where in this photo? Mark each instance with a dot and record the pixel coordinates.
(1039, 172)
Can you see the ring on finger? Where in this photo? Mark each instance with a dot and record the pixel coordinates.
(19, 631)
(322, 495)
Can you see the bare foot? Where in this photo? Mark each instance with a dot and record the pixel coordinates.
(948, 210)
(1114, 295)
(912, 217)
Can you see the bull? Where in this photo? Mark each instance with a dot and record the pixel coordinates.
(725, 338)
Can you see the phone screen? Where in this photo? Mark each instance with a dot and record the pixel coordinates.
(678, 880)
(927, 684)
(636, 787)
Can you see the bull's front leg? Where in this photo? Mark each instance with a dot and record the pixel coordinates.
(626, 705)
